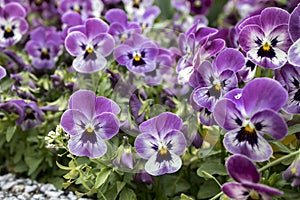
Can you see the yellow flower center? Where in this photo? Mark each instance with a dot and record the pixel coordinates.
(77, 9)
(254, 195)
(136, 57)
(45, 52)
(136, 3)
(89, 50)
(163, 151)
(294, 170)
(8, 30)
(266, 46)
(248, 129)
(197, 4)
(28, 110)
(218, 87)
(90, 130)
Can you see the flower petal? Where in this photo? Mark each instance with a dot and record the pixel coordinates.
(73, 122)
(262, 188)
(104, 104)
(106, 125)
(74, 43)
(272, 17)
(103, 43)
(234, 190)
(146, 145)
(175, 142)
(83, 100)
(249, 35)
(224, 60)
(294, 53)
(94, 27)
(294, 22)
(116, 15)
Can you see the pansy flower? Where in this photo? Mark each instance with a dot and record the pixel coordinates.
(82, 7)
(12, 24)
(138, 54)
(90, 120)
(199, 7)
(265, 37)
(289, 77)
(44, 47)
(90, 44)
(146, 19)
(294, 30)
(161, 143)
(293, 173)
(249, 115)
(247, 178)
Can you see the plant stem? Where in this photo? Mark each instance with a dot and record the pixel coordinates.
(216, 196)
(279, 160)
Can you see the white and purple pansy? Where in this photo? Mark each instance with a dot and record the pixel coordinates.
(294, 30)
(90, 120)
(161, 143)
(251, 113)
(13, 24)
(90, 44)
(265, 37)
(247, 178)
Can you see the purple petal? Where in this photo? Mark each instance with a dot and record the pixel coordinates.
(235, 96)
(249, 35)
(211, 48)
(155, 168)
(74, 122)
(272, 17)
(94, 26)
(116, 15)
(146, 145)
(261, 151)
(294, 22)
(260, 188)
(83, 100)
(206, 97)
(271, 123)
(104, 44)
(121, 54)
(106, 125)
(227, 115)
(228, 80)
(161, 124)
(234, 190)
(91, 63)
(176, 140)
(224, 60)
(282, 36)
(293, 53)
(106, 105)
(254, 20)
(33, 48)
(87, 144)
(38, 34)
(14, 10)
(74, 42)
(203, 75)
(2, 72)
(242, 169)
(263, 93)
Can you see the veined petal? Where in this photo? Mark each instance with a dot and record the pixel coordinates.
(14, 9)
(175, 141)
(87, 144)
(106, 125)
(156, 166)
(103, 44)
(104, 104)
(74, 122)
(75, 43)
(121, 54)
(211, 48)
(83, 100)
(272, 17)
(91, 63)
(249, 35)
(293, 104)
(146, 145)
(207, 96)
(294, 53)
(234, 190)
(224, 60)
(235, 96)
(116, 15)
(263, 93)
(94, 27)
(271, 123)
(280, 37)
(242, 169)
(227, 115)
(294, 22)
(228, 80)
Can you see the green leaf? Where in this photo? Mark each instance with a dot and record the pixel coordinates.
(185, 197)
(33, 163)
(209, 189)
(126, 194)
(63, 167)
(71, 174)
(293, 129)
(212, 167)
(102, 177)
(10, 132)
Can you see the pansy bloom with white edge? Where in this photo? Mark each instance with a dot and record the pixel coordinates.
(90, 44)
(265, 37)
(249, 114)
(12, 24)
(289, 77)
(161, 143)
(247, 178)
(294, 30)
(90, 120)
(137, 54)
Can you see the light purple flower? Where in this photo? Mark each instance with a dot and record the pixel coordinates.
(250, 113)
(265, 37)
(70, 19)
(90, 120)
(161, 143)
(247, 178)
(12, 24)
(293, 173)
(90, 44)
(82, 7)
(146, 19)
(44, 47)
(2, 72)
(289, 77)
(138, 54)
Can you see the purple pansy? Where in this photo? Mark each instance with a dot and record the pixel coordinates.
(2, 72)
(199, 7)
(90, 120)
(249, 114)
(138, 54)
(146, 19)
(289, 77)
(12, 24)
(161, 143)
(247, 178)
(82, 7)
(44, 47)
(90, 44)
(294, 30)
(265, 37)
(293, 173)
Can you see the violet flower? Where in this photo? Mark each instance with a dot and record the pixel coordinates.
(199, 7)
(138, 54)
(265, 37)
(294, 31)
(146, 19)
(161, 143)
(247, 178)
(44, 47)
(82, 7)
(293, 173)
(249, 114)
(90, 120)
(12, 24)
(2, 72)
(70, 19)
(289, 77)
(90, 44)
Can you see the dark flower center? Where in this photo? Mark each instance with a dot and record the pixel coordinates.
(248, 134)
(266, 48)
(38, 2)
(215, 91)
(163, 155)
(197, 4)
(250, 64)
(76, 9)
(297, 95)
(29, 113)
(45, 54)
(136, 3)
(137, 58)
(89, 54)
(8, 32)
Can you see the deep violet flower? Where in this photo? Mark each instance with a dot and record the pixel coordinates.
(265, 37)
(199, 7)
(90, 120)
(2, 72)
(247, 178)
(138, 54)
(293, 173)
(90, 44)
(161, 143)
(12, 24)
(44, 46)
(249, 114)
(289, 77)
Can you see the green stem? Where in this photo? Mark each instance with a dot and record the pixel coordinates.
(216, 196)
(279, 160)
